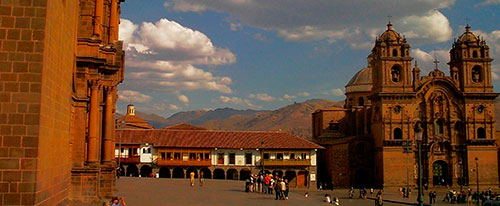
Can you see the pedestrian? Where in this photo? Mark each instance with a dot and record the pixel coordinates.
(251, 182)
(201, 178)
(287, 190)
(118, 173)
(379, 201)
(259, 183)
(277, 189)
(328, 199)
(430, 197)
(371, 192)
(271, 185)
(115, 201)
(306, 194)
(265, 186)
(191, 179)
(336, 201)
(247, 184)
(404, 192)
(283, 189)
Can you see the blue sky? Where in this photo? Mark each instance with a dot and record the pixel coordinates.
(257, 54)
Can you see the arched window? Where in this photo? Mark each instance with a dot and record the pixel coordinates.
(438, 127)
(481, 133)
(395, 73)
(477, 74)
(474, 54)
(398, 134)
(361, 101)
(394, 52)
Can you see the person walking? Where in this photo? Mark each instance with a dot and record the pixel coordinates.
(252, 179)
(265, 186)
(283, 189)
(259, 183)
(287, 189)
(201, 178)
(379, 201)
(191, 179)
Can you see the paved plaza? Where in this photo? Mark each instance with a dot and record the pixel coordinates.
(147, 191)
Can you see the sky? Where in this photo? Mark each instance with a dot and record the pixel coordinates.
(184, 55)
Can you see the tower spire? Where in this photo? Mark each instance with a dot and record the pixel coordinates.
(436, 62)
(467, 27)
(389, 25)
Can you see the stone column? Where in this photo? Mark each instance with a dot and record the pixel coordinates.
(99, 8)
(107, 153)
(113, 22)
(93, 122)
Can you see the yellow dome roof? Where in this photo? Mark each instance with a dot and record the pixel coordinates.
(390, 34)
(361, 81)
(468, 36)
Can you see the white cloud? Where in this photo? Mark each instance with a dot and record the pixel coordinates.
(132, 96)
(262, 97)
(425, 60)
(352, 21)
(304, 94)
(174, 107)
(163, 54)
(495, 69)
(492, 40)
(337, 92)
(183, 98)
(288, 97)
(488, 2)
(238, 101)
(260, 37)
(234, 26)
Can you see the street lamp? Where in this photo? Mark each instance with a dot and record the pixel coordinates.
(407, 148)
(418, 136)
(477, 175)
(461, 182)
(262, 156)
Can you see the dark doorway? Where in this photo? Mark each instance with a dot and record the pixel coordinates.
(132, 171)
(232, 174)
(291, 177)
(278, 173)
(146, 171)
(440, 173)
(178, 173)
(189, 170)
(244, 174)
(164, 172)
(122, 170)
(206, 173)
(219, 174)
(361, 179)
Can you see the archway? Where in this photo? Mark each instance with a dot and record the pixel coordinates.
(178, 173)
(206, 173)
(481, 133)
(219, 174)
(191, 169)
(146, 171)
(361, 179)
(440, 173)
(232, 174)
(122, 170)
(279, 173)
(302, 178)
(291, 177)
(244, 174)
(164, 172)
(132, 171)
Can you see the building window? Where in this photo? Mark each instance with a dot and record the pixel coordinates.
(395, 73)
(361, 101)
(292, 156)
(220, 158)
(481, 133)
(398, 134)
(394, 52)
(266, 156)
(163, 155)
(232, 158)
(477, 74)
(169, 155)
(207, 156)
(248, 158)
(185, 156)
(192, 156)
(279, 156)
(200, 156)
(474, 54)
(439, 127)
(177, 155)
(122, 150)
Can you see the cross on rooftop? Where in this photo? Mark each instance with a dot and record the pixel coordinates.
(467, 20)
(435, 60)
(389, 17)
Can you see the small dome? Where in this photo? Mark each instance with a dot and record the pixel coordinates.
(390, 34)
(468, 36)
(361, 81)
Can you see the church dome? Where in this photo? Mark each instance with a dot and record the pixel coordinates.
(390, 34)
(468, 36)
(361, 81)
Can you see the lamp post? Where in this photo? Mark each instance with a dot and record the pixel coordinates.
(461, 182)
(477, 175)
(418, 135)
(407, 148)
(262, 156)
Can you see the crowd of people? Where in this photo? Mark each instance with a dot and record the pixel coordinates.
(462, 197)
(267, 183)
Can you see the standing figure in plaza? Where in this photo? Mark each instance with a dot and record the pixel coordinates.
(379, 201)
(201, 178)
(287, 189)
(191, 178)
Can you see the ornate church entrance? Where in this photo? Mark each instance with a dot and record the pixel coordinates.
(440, 173)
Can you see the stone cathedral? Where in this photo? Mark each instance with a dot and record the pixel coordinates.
(371, 142)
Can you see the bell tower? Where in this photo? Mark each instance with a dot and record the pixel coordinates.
(470, 63)
(391, 63)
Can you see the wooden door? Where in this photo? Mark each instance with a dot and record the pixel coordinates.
(301, 180)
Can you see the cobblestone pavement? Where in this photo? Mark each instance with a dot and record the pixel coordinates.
(149, 192)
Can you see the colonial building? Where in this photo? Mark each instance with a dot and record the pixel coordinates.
(176, 151)
(372, 140)
(60, 64)
(132, 121)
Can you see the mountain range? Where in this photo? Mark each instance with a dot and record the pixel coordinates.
(294, 118)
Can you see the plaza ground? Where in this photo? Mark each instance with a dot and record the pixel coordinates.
(148, 191)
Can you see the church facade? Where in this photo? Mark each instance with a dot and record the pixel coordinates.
(372, 141)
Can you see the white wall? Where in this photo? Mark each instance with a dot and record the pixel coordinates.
(239, 156)
(146, 157)
(313, 158)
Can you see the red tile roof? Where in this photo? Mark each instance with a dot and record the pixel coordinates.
(215, 139)
(134, 121)
(184, 126)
